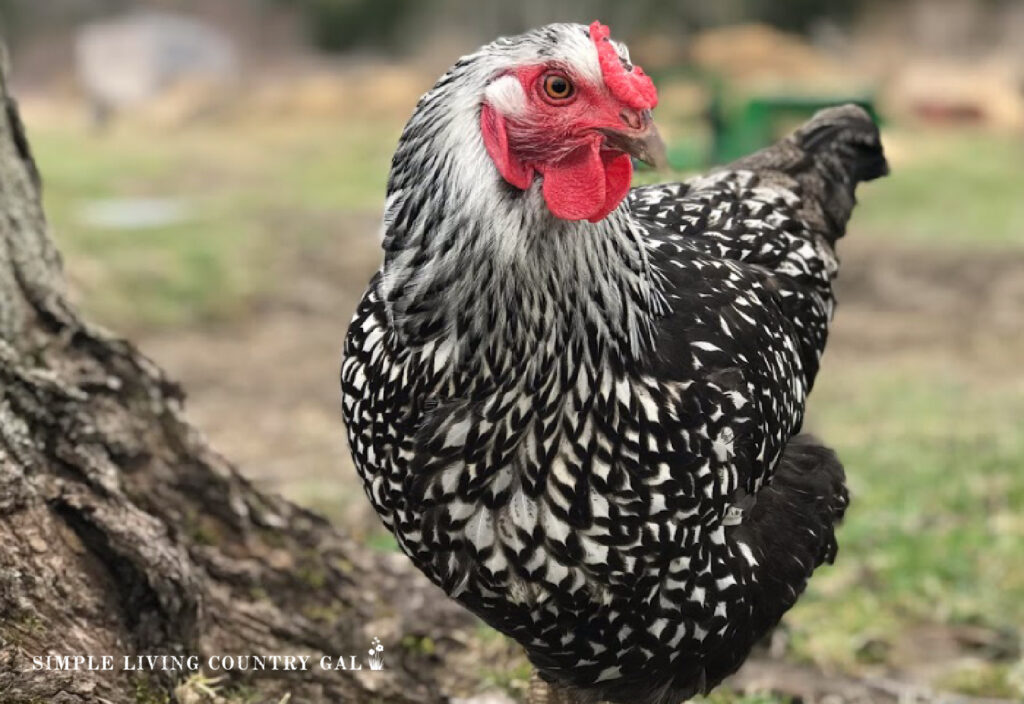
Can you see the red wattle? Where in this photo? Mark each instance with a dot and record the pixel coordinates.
(587, 184)
(574, 187)
(618, 176)
(492, 126)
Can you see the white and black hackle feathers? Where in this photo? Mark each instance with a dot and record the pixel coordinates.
(587, 433)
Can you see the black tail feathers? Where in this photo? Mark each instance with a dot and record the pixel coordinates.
(813, 472)
(841, 148)
(849, 137)
(794, 518)
(828, 156)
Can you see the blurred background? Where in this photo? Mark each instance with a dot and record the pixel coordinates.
(214, 174)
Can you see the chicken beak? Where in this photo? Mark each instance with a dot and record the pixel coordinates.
(644, 143)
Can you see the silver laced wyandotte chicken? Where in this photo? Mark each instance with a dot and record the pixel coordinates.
(576, 404)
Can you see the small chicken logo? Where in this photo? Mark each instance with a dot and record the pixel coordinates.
(376, 660)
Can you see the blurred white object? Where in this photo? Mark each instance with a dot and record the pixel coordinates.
(134, 213)
(131, 59)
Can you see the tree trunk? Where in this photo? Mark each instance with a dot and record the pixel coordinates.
(123, 533)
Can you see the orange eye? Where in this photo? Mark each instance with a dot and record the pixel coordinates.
(557, 86)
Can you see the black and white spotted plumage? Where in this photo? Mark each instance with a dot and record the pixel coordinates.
(587, 433)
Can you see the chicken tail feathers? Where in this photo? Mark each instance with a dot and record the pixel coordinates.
(848, 136)
(810, 475)
(828, 156)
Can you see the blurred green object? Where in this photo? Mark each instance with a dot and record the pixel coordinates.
(741, 126)
(756, 123)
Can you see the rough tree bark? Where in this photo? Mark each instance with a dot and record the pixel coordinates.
(122, 532)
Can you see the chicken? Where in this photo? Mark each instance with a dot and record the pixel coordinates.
(577, 405)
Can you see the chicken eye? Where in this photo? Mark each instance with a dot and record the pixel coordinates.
(557, 86)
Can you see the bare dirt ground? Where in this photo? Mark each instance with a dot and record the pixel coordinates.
(896, 301)
(265, 389)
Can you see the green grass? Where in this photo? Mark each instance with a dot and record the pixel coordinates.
(982, 679)
(253, 196)
(949, 188)
(936, 530)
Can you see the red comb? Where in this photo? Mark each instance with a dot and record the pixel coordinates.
(633, 87)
